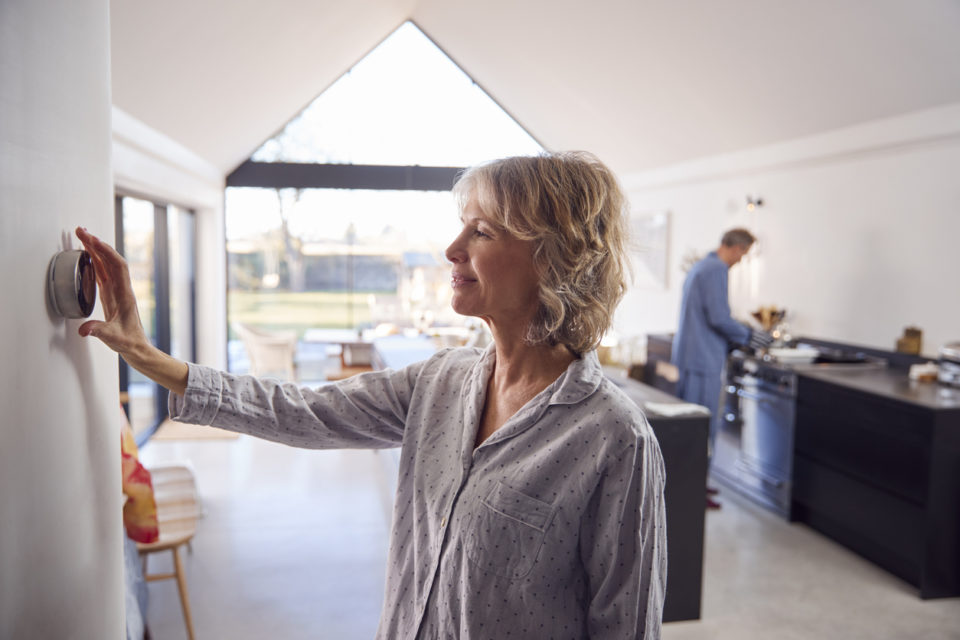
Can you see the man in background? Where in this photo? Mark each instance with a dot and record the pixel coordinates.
(707, 330)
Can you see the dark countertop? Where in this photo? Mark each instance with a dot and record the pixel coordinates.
(891, 383)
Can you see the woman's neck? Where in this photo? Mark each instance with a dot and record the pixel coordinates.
(520, 372)
(519, 363)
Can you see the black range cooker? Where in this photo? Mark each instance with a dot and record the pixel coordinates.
(754, 447)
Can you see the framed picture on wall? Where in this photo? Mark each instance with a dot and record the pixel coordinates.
(650, 243)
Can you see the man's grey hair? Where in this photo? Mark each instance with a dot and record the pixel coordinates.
(738, 238)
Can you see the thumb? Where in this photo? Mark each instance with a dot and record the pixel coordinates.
(90, 328)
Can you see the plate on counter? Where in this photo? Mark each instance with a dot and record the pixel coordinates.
(802, 355)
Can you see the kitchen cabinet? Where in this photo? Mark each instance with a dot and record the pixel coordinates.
(877, 468)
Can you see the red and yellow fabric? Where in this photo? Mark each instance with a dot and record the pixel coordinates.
(140, 507)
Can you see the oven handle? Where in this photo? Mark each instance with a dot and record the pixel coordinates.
(764, 396)
(753, 396)
(764, 477)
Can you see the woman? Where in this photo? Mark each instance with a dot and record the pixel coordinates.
(530, 493)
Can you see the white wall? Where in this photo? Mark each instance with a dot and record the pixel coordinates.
(858, 234)
(148, 163)
(61, 570)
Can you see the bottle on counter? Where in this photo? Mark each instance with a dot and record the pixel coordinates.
(911, 342)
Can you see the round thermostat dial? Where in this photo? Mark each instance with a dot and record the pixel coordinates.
(72, 284)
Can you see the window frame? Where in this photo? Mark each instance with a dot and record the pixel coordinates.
(162, 292)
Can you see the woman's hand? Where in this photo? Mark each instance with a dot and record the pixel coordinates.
(120, 328)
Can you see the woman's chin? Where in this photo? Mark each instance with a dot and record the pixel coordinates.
(463, 311)
(462, 307)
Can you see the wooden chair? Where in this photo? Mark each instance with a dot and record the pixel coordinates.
(270, 352)
(178, 509)
(355, 357)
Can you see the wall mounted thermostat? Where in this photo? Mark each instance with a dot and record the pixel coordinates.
(72, 284)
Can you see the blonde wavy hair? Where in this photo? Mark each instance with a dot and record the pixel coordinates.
(572, 207)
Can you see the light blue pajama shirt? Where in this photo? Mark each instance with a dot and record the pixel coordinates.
(706, 328)
(554, 527)
(705, 333)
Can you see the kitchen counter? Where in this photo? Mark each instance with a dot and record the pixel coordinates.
(642, 393)
(876, 467)
(893, 384)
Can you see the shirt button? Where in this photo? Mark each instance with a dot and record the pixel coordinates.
(443, 521)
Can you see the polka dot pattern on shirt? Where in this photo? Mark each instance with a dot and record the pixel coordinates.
(553, 528)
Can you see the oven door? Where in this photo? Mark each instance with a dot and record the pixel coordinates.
(764, 466)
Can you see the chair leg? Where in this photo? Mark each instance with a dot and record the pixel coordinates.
(182, 588)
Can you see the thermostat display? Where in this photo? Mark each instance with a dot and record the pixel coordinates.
(72, 284)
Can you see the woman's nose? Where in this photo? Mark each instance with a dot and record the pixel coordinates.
(455, 252)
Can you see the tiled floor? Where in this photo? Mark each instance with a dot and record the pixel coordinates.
(293, 545)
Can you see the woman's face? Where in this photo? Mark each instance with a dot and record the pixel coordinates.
(493, 276)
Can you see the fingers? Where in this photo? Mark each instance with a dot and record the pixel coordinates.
(120, 329)
(113, 275)
(103, 254)
(93, 246)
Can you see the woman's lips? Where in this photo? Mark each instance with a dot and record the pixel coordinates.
(457, 280)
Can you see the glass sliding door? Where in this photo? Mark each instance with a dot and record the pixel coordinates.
(157, 240)
(333, 263)
(182, 242)
(136, 241)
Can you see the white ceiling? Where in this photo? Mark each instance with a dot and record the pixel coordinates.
(642, 83)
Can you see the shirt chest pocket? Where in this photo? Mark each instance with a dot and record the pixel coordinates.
(507, 532)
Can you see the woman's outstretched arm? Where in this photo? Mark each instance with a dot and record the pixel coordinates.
(121, 329)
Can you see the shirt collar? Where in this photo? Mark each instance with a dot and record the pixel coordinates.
(581, 378)
(579, 381)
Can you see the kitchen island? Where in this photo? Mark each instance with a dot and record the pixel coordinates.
(875, 463)
(877, 468)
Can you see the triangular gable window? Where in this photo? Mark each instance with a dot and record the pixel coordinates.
(337, 225)
(405, 103)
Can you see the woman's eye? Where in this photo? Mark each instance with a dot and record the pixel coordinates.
(480, 234)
